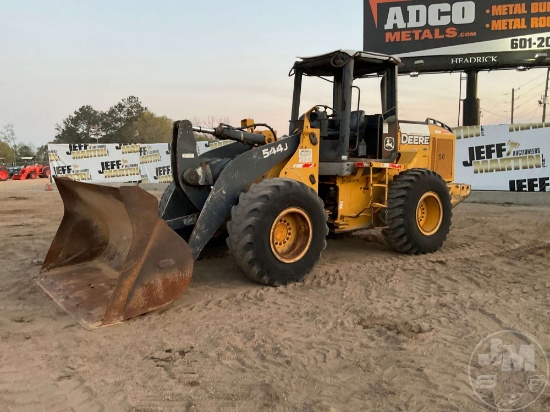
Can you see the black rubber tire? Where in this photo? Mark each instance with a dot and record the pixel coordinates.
(45, 172)
(250, 230)
(404, 194)
(32, 175)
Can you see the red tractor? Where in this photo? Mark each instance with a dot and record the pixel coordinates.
(31, 172)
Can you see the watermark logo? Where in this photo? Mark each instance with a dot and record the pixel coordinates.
(508, 370)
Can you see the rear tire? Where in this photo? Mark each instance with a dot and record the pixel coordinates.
(277, 231)
(419, 212)
(4, 174)
(45, 172)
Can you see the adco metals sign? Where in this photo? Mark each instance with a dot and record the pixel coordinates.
(432, 36)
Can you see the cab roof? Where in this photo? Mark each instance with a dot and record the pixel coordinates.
(331, 63)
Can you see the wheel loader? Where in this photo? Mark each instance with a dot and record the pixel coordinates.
(275, 199)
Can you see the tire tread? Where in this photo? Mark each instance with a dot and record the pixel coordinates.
(245, 216)
(398, 233)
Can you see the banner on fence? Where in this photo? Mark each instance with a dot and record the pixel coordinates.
(116, 163)
(504, 157)
(111, 163)
(154, 161)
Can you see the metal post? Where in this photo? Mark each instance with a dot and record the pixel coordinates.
(347, 82)
(459, 100)
(296, 99)
(513, 98)
(471, 102)
(545, 98)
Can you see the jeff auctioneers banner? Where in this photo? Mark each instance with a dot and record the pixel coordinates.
(504, 157)
(111, 163)
(154, 163)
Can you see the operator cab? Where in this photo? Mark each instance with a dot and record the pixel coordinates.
(345, 133)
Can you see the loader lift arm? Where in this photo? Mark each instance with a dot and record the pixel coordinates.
(113, 259)
(215, 194)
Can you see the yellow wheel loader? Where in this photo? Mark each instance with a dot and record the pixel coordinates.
(274, 199)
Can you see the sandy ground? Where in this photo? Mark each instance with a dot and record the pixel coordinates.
(368, 329)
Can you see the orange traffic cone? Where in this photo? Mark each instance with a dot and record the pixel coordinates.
(49, 185)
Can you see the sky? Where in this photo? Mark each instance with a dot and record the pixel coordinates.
(195, 59)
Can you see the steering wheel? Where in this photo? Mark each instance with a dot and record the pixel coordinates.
(324, 106)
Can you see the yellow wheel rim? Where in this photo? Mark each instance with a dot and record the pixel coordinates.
(429, 213)
(291, 235)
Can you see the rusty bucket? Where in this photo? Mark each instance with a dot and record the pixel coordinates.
(112, 257)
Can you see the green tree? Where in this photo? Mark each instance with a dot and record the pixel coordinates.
(6, 153)
(119, 122)
(84, 126)
(8, 136)
(126, 122)
(26, 150)
(153, 129)
(42, 155)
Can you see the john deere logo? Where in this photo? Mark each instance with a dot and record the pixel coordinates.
(389, 143)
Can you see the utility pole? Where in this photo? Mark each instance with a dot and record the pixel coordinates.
(512, 117)
(545, 98)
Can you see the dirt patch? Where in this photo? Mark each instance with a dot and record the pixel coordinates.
(368, 329)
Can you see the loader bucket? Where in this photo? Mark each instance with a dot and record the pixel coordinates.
(112, 257)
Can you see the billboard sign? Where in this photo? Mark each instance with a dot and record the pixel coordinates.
(446, 35)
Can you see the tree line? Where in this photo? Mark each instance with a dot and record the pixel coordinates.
(11, 151)
(126, 122)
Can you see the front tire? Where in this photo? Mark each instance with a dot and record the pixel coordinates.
(277, 231)
(419, 212)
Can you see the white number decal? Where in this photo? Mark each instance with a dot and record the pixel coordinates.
(280, 148)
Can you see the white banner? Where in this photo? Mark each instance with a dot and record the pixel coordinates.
(115, 163)
(154, 163)
(504, 157)
(111, 163)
